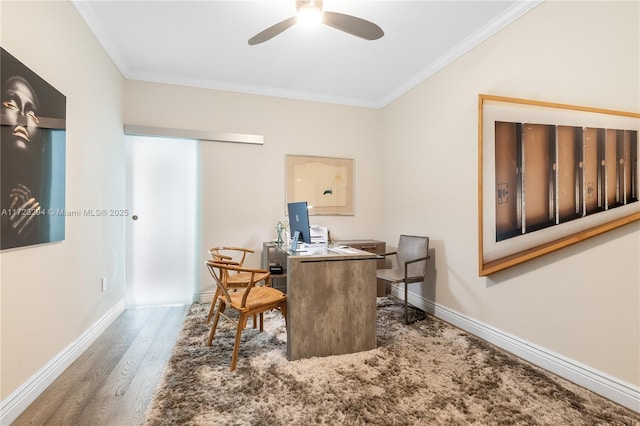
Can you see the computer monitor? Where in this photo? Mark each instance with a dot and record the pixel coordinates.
(299, 220)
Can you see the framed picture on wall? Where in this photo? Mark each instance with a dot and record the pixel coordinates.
(551, 175)
(32, 174)
(325, 183)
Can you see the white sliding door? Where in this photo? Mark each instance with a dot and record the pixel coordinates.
(162, 188)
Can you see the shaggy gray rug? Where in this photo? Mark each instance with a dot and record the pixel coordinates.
(428, 373)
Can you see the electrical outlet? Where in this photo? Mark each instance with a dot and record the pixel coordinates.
(104, 284)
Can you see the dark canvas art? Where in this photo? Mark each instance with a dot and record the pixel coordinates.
(32, 156)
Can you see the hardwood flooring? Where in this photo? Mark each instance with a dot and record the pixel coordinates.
(113, 381)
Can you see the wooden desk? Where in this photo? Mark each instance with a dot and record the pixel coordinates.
(372, 246)
(331, 303)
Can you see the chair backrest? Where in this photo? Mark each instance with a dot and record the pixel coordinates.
(227, 253)
(412, 247)
(226, 266)
(237, 254)
(219, 275)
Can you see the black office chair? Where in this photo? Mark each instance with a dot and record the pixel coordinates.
(410, 266)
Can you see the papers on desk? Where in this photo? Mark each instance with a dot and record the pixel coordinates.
(310, 251)
(343, 250)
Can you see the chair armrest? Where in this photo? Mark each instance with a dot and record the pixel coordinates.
(420, 259)
(239, 249)
(215, 253)
(220, 256)
(222, 261)
(406, 265)
(232, 266)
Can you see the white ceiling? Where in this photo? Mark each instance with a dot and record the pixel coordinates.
(204, 44)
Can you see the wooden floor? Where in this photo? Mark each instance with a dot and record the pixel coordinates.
(113, 381)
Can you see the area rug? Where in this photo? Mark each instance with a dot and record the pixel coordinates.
(428, 373)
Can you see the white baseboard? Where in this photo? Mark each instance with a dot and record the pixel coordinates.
(206, 297)
(623, 393)
(21, 398)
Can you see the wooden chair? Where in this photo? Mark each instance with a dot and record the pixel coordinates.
(410, 266)
(250, 302)
(237, 254)
(233, 280)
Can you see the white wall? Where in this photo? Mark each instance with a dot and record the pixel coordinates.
(582, 302)
(243, 186)
(51, 292)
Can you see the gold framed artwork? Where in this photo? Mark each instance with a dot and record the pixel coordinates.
(325, 183)
(551, 175)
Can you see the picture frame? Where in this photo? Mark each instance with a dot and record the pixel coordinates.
(551, 175)
(32, 156)
(325, 183)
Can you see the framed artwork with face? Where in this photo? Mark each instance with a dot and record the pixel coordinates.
(32, 155)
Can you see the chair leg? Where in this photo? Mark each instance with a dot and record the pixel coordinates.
(406, 304)
(416, 317)
(283, 310)
(213, 304)
(261, 322)
(221, 307)
(242, 322)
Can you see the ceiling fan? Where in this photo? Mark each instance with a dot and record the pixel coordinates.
(311, 10)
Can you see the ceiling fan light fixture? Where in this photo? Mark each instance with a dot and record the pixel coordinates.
(309, 15)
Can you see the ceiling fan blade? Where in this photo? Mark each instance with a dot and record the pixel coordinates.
(272, 31)
(352, 25)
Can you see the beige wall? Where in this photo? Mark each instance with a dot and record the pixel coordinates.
(50, 293)
(582, 302)
(415, 172)
(243, 186)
